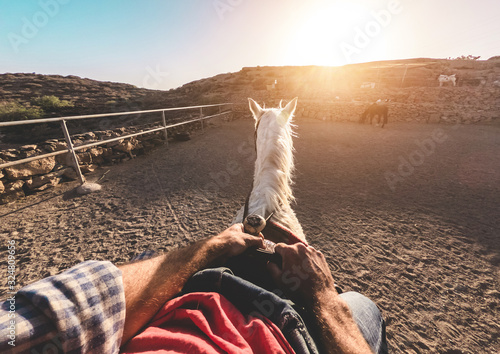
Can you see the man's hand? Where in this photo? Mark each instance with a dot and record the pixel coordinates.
(235, 241)
(304, 272)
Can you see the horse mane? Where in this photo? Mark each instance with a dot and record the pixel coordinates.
(274, 159)
(271, 192)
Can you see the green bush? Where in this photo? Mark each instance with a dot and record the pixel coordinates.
(11, 111)
(468, 57)
(51, 103)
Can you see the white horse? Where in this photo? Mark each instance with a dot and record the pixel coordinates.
(447, 78)
(368, 85)
(273, 86)
(271, 192)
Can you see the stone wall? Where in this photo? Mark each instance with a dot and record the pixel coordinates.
(20, 180)
(465, 105)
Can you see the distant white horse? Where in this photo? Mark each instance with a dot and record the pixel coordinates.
(273, 86)
(368, 85)
(447, 78)
(271, 193)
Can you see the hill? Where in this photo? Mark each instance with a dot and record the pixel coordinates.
(305, 81)
(412, 81)
(315, 82)
(88, 96)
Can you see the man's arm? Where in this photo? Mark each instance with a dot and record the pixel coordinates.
(149, 284)
(306, 274)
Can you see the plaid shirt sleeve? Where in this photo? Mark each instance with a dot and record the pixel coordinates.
(81, 310)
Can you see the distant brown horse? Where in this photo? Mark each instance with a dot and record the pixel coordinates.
(375, 109)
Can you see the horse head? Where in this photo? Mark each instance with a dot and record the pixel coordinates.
(272, 123)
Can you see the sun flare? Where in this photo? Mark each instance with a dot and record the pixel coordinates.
(317, 39)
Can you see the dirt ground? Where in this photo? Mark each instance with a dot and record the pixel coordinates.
(407, 215)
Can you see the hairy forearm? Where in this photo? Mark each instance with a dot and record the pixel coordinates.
(336, 327)
(149, 284)
(339, 333)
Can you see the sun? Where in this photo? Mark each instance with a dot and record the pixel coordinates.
(316, 41)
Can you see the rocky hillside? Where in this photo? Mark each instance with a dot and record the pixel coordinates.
(342, 93)
(22, 92)
(325, 83)
(88, 96)
(412, 81)
(308, 82)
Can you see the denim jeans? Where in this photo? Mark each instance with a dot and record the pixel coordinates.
(369, 320)
(252, 299)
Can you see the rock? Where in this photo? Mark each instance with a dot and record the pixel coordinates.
(55, 146)
(87, 188)
(39, 181)
(98, 160)
(182, 136)
(52, 183)
(125, 146)
(28, 153)
(2, 187)
(14, 186)
(114, 143)
(95, 151)
(28, 147)
(33, 168)
(156, 141)
(84, 157)
(70, 173)
(9, 155)
(89, 136)
(11, 197)
(64, 159)
(107, 152)
(87, 168)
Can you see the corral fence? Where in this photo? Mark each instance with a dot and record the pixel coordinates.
(223, 109)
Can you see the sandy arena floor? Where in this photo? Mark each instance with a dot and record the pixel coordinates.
(407, 215)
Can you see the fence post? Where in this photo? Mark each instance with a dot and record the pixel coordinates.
(404, 76)
(201, 120)
(165, 126)
(72, 151)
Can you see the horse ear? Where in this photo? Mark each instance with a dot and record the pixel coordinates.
(281, 104)
(255, 108)
(290, 107)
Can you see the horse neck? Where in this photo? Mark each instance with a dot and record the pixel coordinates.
(273, 172)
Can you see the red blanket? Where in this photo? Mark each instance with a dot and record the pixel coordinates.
(207, 323)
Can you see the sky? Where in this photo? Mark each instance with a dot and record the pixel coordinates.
(163, 44)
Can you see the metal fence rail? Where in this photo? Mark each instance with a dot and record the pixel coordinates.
(72, 149)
